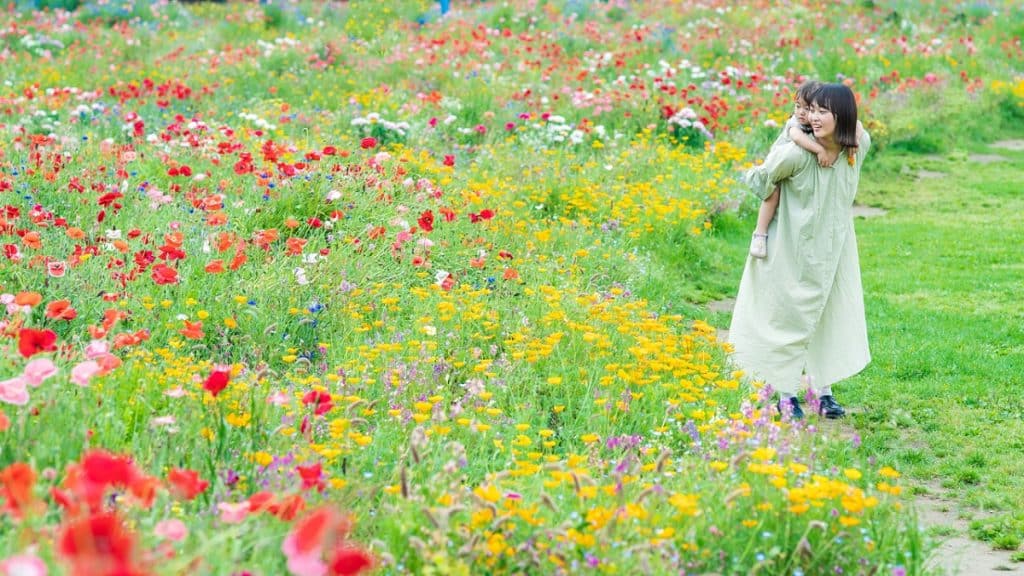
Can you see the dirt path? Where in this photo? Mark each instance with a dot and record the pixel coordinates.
(955, 552)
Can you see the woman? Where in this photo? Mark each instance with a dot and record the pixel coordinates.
(801, 309)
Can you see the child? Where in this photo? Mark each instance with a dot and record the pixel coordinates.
(797, 130)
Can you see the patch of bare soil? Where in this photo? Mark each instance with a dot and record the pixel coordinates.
(1015, 145)
(957, 554)
(987, 158)
(867, 212)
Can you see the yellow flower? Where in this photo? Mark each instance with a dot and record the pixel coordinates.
(852, 473)
(889, 472)
(685, 503)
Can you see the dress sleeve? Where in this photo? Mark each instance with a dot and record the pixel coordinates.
(783, 137)
(781, 163)
(863, 145)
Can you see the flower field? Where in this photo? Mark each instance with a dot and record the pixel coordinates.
(350, 287)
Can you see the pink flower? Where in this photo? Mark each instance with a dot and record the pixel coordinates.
(173, 530)
(13, 391)
(83, 372)
(232, 513)
(306, 563)
(23, 565)
(279, 398)
(38, 370)
(96, 348)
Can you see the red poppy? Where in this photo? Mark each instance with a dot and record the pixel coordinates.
(105, 469)
(320, 400)
(32, 341)
(216, 382)
(186, 483)
(368, 143)
(312, 476)
(61, 310)
(426, 221)
(310, 531)
(98, 544)
(164, 274)
(347, 561)
(261, 501)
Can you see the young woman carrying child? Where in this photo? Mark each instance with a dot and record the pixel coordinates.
(798, 131)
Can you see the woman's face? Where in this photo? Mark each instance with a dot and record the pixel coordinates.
(822, 121)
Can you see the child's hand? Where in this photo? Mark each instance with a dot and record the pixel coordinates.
(823, 160)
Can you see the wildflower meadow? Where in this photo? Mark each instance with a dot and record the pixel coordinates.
(356, 287)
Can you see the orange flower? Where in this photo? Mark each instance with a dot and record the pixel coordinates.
(32, 240)
(225, 240)
(61, 310)
(291, 223)
(263, 238)
(238, 260)
(174, 239)
(192, 330)
(217, 219)
(121, 246)
(295, 246)
(17, 481)
(215, 267)
(28, 299)
(75, 233)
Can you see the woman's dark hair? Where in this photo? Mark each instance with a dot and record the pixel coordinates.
(806, 90)
(839, 100)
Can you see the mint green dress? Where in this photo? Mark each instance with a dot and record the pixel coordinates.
(801, 309)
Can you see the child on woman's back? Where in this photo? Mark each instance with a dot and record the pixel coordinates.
(797, 130)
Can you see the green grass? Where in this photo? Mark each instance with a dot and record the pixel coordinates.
(942, 271)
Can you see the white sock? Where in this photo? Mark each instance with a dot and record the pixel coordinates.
(786, 395)
(825, 391)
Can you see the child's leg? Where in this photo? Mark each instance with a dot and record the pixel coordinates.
(759, 242)
(767, 212)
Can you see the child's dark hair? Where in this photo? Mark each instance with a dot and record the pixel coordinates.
(806, 90)
(840, 101)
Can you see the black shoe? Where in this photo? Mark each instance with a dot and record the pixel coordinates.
(829, 408)
(796, 412)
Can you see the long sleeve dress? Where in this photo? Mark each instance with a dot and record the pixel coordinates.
(801, 309)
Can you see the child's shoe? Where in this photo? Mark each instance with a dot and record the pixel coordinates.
(759, 245)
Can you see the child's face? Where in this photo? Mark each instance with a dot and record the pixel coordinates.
(800, 108)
